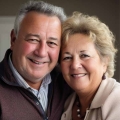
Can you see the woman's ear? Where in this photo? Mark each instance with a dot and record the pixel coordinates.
(106, 61)
(13, 38)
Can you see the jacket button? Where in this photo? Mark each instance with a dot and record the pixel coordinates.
(46, 118)
(37, 103)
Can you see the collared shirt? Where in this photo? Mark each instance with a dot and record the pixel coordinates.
(41, 94)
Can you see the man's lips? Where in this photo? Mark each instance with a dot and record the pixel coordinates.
(38, 62)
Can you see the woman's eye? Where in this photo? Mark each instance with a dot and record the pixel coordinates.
(66, 58)
(84, 56)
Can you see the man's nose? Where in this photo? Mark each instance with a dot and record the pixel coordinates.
(42, 49)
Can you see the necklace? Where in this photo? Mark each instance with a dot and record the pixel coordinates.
(78, 110)
(78, 113)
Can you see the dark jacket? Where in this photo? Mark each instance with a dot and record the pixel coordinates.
(17, 103)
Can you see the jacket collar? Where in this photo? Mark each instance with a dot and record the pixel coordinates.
(100, 97)
(5, 71)
(103, 92)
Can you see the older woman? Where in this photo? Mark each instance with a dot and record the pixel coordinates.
(87, 61)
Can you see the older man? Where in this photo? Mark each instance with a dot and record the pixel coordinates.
(31, 87)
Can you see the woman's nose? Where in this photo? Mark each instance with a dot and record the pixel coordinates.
(76, 63)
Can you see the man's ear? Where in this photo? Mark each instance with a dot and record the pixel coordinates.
(13, 38)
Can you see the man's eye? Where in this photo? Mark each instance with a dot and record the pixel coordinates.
(33, 40)
(52, 44)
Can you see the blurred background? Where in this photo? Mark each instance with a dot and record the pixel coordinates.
(108, 11)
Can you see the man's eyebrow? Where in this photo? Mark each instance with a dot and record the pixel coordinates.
(38, 36)
(34, 35)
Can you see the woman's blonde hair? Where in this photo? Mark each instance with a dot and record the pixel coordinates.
(101, 35)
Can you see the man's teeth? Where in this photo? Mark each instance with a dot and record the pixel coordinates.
(37, 62)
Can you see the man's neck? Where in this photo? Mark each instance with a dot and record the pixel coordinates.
(34, 85)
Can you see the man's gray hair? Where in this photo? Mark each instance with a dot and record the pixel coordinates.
(40, 7)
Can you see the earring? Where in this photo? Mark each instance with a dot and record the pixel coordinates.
(103, 77)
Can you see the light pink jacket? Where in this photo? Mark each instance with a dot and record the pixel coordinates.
(105, 105)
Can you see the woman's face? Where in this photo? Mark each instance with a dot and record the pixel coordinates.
(81, 65)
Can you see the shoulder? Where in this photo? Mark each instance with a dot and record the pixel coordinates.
(111, 106)
(114, 96)
(115, 87)
(111, 90)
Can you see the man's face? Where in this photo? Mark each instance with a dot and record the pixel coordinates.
(36, 48)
